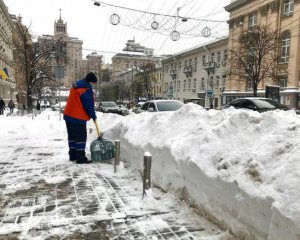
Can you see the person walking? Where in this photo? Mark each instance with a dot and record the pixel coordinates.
(2, 106)
(38, 106)
(11, 106)
(79, 109)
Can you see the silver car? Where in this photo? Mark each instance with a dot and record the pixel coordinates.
(160, 106)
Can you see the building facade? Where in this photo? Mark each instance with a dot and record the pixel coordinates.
(282, 16)
(133, 56)
(7, 83)
(71, 51)
(93, 64)
(197, 73)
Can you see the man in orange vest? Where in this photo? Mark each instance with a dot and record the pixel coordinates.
(79, 109)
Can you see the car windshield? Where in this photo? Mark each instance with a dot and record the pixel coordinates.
(109, 104)
(169, 106)
(268, 104)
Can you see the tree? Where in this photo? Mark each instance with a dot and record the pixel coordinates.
(146, 79)
(33, 62)
(255, 58)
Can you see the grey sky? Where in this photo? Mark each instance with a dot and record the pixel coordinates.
(91, 23)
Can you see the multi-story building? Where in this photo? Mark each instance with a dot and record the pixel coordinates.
(282, 17)
(70, 48)
(20, 77)
(93, 64)
(199, 72)
(7, 83)
(133, 56)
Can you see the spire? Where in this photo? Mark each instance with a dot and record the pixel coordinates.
(60, 14)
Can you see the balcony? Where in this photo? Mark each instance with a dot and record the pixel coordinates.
(209, 65)
(173, 74)
(188, 70)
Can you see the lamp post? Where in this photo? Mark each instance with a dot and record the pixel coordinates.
(132, 81)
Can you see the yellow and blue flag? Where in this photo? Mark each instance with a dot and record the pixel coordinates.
(4, 73)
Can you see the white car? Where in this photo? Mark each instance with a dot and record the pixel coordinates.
(160, 106)
(57, 106)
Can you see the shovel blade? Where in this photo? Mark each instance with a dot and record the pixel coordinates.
(102, 150)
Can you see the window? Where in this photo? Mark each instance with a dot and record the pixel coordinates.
(248, 86)
(195, 83)
(283, 81)
(219, 57)
(202, 83)
(224, 81)
(178, 86)
(211, 82)
(252, 20)
(217, 81)
(195, 64)
(189, 84)
(285, 47)
(203, 59)
(212, 56)
(225, 56)
(288, 7)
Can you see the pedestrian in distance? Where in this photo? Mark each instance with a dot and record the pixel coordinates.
(79, 109)
(2, 106)
(11, 106)
(38, 106)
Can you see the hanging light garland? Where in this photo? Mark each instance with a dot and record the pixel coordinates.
(114, 19)
(175, 35)
(206, 32)
(154, 25)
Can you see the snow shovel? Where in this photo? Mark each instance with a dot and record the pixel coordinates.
(101, 149)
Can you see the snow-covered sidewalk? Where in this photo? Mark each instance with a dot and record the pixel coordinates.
(44, 196)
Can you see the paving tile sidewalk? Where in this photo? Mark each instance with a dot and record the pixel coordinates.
(47, 199)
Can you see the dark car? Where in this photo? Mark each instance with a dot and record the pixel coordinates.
(160, 106)
(112, 107)
(257, 104)
(109, 107)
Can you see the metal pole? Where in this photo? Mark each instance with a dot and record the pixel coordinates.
(147, 172)
(117, 156)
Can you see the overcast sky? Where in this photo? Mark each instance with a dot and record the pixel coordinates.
(91, 23)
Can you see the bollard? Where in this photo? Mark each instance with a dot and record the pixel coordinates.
(147, 172)
(117, 155)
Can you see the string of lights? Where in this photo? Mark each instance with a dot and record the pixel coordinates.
(173, 25)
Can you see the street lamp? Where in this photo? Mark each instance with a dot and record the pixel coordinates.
(97, 3)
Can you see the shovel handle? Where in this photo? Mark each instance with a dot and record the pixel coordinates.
(97, 128)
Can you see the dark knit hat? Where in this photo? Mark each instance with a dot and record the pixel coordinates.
(91, 77)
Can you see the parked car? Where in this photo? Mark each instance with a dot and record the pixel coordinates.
(124, 110)
(160, 106)
(257, 104)
(138, 106)
(199, 101)
(45, 103)
(56, 106)
(112, 107)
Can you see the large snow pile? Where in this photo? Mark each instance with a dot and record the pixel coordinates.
(239, 167)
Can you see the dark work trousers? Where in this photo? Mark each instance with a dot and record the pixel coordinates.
(1, 111)
(77, 140)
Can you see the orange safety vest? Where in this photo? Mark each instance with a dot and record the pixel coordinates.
(74, 107)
